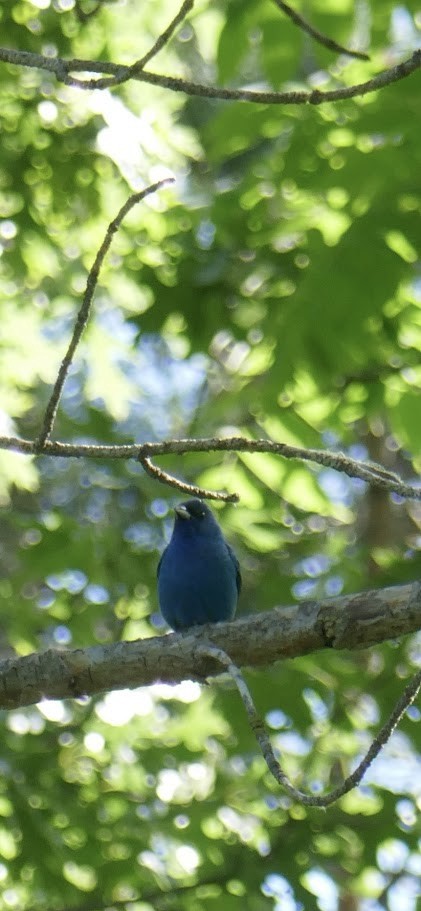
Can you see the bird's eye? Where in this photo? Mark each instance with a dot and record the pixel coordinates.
(195, 509)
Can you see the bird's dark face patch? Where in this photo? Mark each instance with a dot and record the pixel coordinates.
(193, 509)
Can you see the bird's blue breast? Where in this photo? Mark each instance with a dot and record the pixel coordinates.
(197, 581)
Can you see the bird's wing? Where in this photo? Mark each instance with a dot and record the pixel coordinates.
(237, 566)
(158, 568)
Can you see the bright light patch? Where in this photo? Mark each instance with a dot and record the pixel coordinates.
(277, 887)
(243, 825)
(47, 110)
(8, 229)
(187, 691)
(120, 707)
(130, 141)
(168, 785)
(11, 898)
(392, 855)
(18, 723)
(83, 877)
(6, 424)
(94, 742)
(188, 858)
(150, 860)
(321, 885)
(198, 771)
(54, 710)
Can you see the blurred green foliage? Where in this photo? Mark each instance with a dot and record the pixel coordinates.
(275, 291)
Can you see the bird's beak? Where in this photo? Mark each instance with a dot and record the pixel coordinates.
(182, 512)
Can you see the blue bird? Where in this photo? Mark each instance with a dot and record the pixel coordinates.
(199, 576)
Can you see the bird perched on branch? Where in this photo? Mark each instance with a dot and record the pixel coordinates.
(199, 576)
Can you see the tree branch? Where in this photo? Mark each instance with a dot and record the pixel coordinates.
(318, 36)
(80, 13)
(83, 315)
(351, 622)
(310, 800)
(132, 71)
(62, 69)
(163, 39)
(165, 478)
(369, 472)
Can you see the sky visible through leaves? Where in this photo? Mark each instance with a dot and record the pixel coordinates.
(273, 291)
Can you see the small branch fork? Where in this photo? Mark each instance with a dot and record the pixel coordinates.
(113, 74)
(410, 693)
(187, 6)
(373, 474)
(62, 69)
(370, 472)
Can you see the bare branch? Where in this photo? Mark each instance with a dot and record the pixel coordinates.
(372, 474)
(83, 315)
(132, 71)
(191, 489)
(83, 16)
(263, 739)
(318, 36)
(164, 38)
(63, 68)
(351, 622)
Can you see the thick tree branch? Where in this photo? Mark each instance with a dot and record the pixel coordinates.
(62, 70)
(350, 622)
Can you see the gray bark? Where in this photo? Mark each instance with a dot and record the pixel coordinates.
(355, 621)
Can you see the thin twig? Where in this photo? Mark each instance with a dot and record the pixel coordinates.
(62, 68)
(191, 489)
(132, 71)
(80, 13)
(318, 36)
(372, 474)
(164, 37)
(262, 736)
(83, 315)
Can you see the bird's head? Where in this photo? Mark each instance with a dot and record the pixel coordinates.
(194, 517)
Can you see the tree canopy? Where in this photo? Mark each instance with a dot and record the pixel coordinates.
(218, 206)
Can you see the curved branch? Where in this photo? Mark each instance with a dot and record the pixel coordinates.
(83, 315)
(310, 800)
(318, 36)
(62, 69)
(350, 622)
